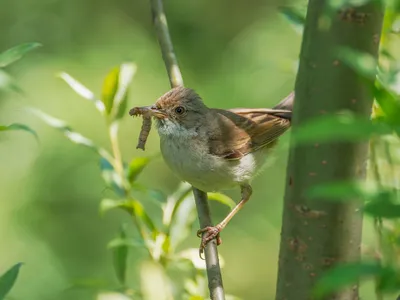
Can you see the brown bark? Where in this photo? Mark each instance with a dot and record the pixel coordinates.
(316, 235)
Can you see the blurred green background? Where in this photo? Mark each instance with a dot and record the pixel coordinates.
(233, 53)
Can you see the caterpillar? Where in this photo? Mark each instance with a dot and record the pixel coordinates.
(146, 126)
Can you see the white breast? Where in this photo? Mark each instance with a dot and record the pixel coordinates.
(188, 157)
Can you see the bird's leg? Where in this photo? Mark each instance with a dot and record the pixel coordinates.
(211, 232)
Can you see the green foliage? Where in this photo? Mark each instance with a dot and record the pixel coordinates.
(344, 190)
(120, 248)
(364, 64)
(7, 280)
(115, 90)
(11, 55)
(295, 16)
(345, 275)
(384, 206)
(344, 126)
(7, 82)
(223, 199)
(136, 166)
(18, 126)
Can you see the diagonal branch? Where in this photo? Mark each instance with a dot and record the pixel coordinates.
(175, 77)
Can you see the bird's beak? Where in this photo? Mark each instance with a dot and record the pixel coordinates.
(149, 111)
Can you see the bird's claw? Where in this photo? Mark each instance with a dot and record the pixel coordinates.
(207, 234)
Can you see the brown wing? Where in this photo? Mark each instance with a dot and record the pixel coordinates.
(242, 131)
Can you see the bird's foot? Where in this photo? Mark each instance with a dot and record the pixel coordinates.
(207, 234)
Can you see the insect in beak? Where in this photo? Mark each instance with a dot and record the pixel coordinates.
(149, 111)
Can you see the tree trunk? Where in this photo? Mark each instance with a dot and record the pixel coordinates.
(319, 234)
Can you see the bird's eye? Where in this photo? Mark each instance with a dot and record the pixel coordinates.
(179, 110)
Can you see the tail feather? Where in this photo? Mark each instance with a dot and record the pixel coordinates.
(285, 104)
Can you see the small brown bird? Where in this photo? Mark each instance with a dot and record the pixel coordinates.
(215, 149)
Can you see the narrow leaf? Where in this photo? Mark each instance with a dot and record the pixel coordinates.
(111, 177)
(129, 242)
(295, 16)
(184, 215)
(136, 166)
(132, 206)
(7, 280)
(362, 63)
(18, 126)
(154, 282)
(82, 91)
(334, 128)
(343, 191)
(49, 120)
(73, 136)
(127, 71)
(112, 296)
(384, 207)
(109, 90)
(142, 214)
(120, 256)
(345, 275)
(388, 103)
(115, 89)
(221, 198)
(192, 254)
(109, 204)
(7, 83)
(11, 55)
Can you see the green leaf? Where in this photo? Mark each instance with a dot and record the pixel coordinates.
(388, 281)
(7, 83)
(49, 120)
(343, 191)
(174, 201)
(179, 214)
(139, 211)
(154, 282)
(295, 16)
(82, 91)
(345, 275)
(112, 295)
(221, 198)
(128, 242)
(192, 254)
(136, 167)
(362, 63)
(341, 127)
(89, 284)
(111, 177)
(18, 126)
(73, 136)
(115, 89)
(11, 55)
(388, 103)
(336, 4)
(133, 207)
(120, 256)
(110, 87)
(385, 206)
(127, 71)
(7, 280)
(109, 204)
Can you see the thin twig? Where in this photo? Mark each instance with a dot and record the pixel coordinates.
(175, 77)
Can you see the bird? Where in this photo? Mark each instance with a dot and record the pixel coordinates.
(216, 149)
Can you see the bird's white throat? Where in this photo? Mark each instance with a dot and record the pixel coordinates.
(166, 127)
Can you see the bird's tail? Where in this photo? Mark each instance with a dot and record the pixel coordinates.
(286, 103)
